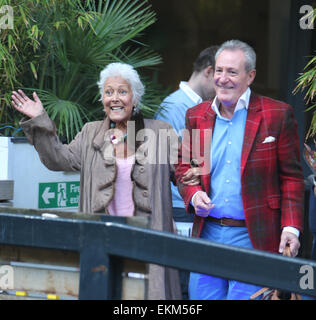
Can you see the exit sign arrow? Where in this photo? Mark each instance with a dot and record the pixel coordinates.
(47, 195)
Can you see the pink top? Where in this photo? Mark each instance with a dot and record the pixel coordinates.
(122, 204)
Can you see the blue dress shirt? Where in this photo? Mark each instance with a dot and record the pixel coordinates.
(227, 141)
(225, 161)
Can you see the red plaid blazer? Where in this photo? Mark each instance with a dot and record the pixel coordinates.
(272, 181)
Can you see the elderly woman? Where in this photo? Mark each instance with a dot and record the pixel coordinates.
(113, 179)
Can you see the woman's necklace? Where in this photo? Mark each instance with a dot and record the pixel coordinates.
(114, 139)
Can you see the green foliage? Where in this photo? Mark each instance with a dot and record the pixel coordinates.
(307, 82)
(58, 48)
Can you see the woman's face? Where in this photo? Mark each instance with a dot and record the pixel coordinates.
(118, 99)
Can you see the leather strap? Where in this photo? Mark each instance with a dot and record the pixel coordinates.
(274, 295)
(287, 252)
(227, 221)
(259, 292)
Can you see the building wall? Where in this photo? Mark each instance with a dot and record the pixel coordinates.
(33, 182)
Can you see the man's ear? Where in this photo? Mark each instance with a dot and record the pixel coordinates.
(251, 76)
(208, 71)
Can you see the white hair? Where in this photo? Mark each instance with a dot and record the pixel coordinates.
(233, 45)
(128, 73)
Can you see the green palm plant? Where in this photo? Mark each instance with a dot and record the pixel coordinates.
(307, 82)
(72, 42)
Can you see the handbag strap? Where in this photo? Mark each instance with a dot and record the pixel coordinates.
(259, 292)
(286, 253)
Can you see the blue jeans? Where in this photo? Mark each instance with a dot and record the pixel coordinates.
(206, 287)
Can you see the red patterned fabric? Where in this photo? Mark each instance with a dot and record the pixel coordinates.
(271, 174)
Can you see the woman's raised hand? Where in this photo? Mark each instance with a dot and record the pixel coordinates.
(25, 105)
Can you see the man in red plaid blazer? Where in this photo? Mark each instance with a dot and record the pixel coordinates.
(263, 172)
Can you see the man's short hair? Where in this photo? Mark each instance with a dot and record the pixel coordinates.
(206, 58)
(234, 45)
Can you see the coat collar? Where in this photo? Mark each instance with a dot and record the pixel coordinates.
(208, 117)
(102, 142)
(99, 138)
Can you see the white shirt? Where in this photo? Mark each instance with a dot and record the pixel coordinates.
(243, 102)
(190, 93)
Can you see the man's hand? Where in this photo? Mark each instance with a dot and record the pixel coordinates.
(192, 177)
(289, 238)
(202, 204)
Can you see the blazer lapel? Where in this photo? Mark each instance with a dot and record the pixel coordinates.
(206, 123)
(252, 126)
(207, 120)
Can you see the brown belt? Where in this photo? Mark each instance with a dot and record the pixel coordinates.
(227, 221)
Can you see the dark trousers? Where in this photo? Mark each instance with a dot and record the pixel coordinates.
(312, 220)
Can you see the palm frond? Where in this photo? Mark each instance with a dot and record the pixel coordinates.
(59, 48)
(307, 82)
(69, 116)
(138, 57)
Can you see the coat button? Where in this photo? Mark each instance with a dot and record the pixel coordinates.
(145, 194)
(141, 169)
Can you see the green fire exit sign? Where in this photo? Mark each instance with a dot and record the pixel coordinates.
(58, 194)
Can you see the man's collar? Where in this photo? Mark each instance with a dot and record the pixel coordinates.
(243, 102)
(190, 93)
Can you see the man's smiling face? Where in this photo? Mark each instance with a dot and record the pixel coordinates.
(231, 79)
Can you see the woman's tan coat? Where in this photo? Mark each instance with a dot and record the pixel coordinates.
(91, 153)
